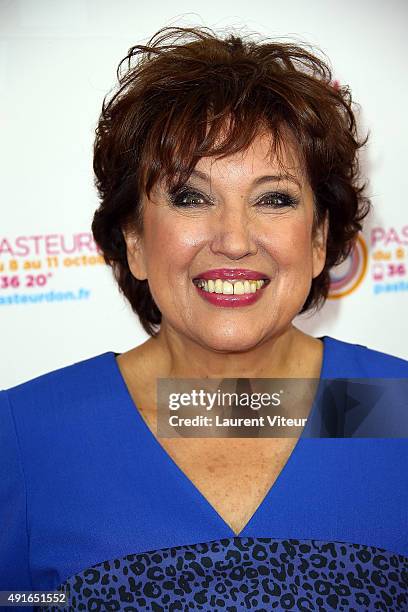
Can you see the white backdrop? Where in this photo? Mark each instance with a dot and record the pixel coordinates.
(58, 302)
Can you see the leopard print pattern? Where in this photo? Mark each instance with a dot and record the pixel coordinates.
(236, 574)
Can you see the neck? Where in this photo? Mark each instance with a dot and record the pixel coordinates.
(284, 355)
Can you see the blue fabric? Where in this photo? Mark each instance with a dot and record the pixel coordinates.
(83, 480)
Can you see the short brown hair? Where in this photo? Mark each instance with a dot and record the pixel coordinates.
(170, 107)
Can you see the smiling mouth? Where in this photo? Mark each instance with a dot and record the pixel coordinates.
(231, 286)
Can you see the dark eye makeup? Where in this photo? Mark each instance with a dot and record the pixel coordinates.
(187, 197)
(277, 199)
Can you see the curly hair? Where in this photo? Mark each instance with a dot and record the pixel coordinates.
(170, 108)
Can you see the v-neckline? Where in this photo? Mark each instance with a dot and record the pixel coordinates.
(168, 460)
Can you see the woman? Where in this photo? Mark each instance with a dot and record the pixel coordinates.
(229, 187)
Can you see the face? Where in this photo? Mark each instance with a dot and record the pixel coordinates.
(234, 216)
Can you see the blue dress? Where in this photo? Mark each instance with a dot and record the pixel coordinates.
(92, 504)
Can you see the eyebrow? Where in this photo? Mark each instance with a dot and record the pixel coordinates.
(258, 181)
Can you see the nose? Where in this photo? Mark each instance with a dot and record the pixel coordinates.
(232, 233)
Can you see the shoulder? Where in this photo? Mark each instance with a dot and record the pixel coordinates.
(70, 385)
(345, 359)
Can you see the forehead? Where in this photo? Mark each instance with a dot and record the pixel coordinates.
(262, 157)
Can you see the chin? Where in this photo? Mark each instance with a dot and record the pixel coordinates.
(230, 341)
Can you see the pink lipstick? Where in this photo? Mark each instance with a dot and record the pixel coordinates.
(231, 287)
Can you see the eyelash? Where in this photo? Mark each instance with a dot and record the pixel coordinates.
(178, 198)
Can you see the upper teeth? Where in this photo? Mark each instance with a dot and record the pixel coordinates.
(233, 286)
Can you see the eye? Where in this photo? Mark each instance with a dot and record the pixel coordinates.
(188, 198)
(278, 200)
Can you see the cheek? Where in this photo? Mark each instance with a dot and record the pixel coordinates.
(290, 245)
(170, 244)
